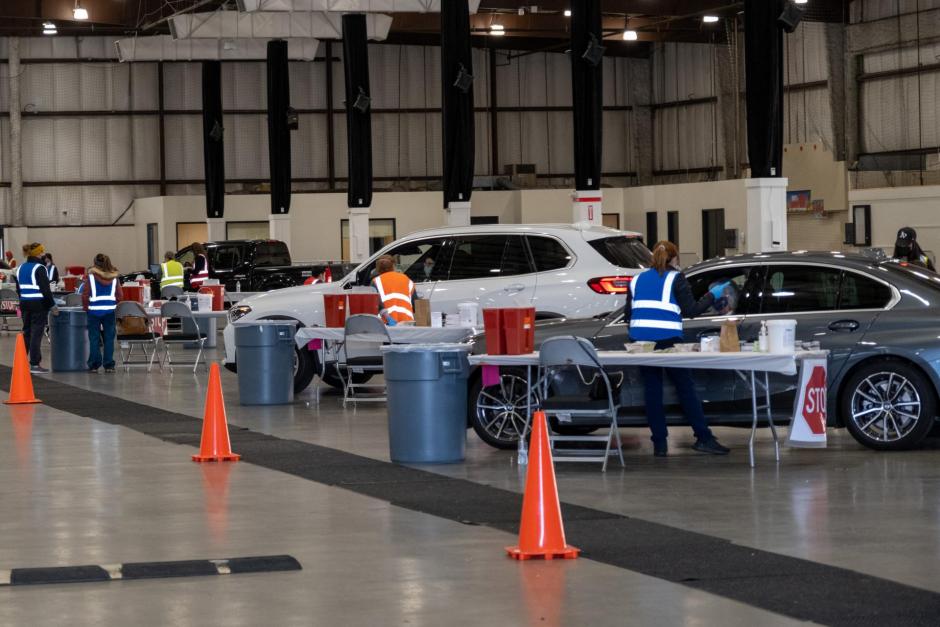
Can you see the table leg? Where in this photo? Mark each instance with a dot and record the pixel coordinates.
(770, 416)
(750, 442)
(522, 454)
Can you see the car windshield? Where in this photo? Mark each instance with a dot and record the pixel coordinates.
(623, 251)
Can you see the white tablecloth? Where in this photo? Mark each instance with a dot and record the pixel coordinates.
(155, 313)
(398, 334)
(783, 363)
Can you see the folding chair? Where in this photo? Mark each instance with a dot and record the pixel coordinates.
(175, 309)
(73, 300)
(170, 292)
(362, 332)
(126, 311)
(566, 352)
(9, 301)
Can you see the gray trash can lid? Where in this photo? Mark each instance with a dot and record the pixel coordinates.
(425, 348)
(71, 309)
(262, 323)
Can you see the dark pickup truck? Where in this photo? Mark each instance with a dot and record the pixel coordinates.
(256, 265)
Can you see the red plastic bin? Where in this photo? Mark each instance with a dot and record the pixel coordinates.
(70, 283)
(218, 295)
(334, 309)
(493, 329)
(133, 292)
(518, 324)
(363, 303)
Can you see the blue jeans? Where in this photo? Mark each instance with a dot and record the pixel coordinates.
(691, 406)
(101, 325)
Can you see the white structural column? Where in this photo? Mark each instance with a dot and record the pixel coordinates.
(216, 229)
(358, 233)
(766, 215)
(458, 214)
(586, 206)
(279, 224)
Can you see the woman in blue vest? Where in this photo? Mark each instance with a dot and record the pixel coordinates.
(32, 285)
(101, 293)
(660, 298)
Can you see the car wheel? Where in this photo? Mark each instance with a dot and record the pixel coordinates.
(306, 365)
(888, 405)
(498, 412)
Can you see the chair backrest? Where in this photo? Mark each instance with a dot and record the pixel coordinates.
(71, 300)
(171, 291)
(568, 350)
(128, 309)
(176, 309)
(366, 328)
(8, 294)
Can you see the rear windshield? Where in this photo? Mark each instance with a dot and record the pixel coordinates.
(272, 254)
(626, 252)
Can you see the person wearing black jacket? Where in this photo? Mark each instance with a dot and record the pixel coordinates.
(36, 301)
(659, 298)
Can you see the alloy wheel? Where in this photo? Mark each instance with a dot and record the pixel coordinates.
(501, 408)
(885, 406)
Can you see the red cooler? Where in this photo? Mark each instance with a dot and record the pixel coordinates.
(334, 309)
(492, 328)
(70, 283)
(218, 295)
(519, 330)
(133, 292)
(363, 303)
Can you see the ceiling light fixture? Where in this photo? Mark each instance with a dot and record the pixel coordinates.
(709, 19)
(497, 30)
(800, 1)
(79, 13)
(567, 12)
(48, 28)
(629, 35)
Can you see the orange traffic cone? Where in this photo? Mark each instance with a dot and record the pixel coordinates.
(215, 445)
(541, 532)
(21, 383)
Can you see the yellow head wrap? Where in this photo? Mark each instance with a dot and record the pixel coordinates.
(36, 250)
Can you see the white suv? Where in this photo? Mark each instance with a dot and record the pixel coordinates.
(570, 271)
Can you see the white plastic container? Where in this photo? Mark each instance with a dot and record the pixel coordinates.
(781, 335)
(205, 302)
(437, 319)
(469, 313)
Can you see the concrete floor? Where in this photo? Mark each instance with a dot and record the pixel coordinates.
(76, 491)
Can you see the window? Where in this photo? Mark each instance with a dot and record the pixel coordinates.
(188, 233)
(652, 228)
(713, 233)
(226, 257)
(861, 225)
(488, 256)
(626, 252)
(672, 227)
(736, 296)
(484, 220)
(548, 253)
(381, 234)
(272, 254)
(793, 289)
(153, 255)
(248, 230)
(422, 260)
(611, 220)
(860, 292)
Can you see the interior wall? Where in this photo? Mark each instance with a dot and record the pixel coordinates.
(896, 207)
(77, 246)
(811, 166)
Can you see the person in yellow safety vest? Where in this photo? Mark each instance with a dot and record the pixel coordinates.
(200, 266)
(396, 292)
(171, 272)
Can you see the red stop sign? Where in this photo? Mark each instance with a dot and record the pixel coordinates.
(814, 401)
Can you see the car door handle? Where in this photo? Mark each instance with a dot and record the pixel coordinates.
(515, 288)
(844, 325)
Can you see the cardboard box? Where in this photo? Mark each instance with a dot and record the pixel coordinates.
(422, 312)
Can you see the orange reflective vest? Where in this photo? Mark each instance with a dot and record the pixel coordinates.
(395, 290)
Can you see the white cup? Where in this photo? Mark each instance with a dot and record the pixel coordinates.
(437, 319)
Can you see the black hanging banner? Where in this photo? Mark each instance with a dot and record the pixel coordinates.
(587, 84)
(763, 65)
(457, 82)
(213, 148)
(358, 109)
(278, 131)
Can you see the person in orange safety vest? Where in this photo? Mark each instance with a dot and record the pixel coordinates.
(396, 292)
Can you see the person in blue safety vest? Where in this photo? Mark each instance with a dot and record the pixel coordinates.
(32, 285)
(100, 296)
(659, 298)
(51, 270)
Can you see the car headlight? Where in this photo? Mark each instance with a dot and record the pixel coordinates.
(238, 311)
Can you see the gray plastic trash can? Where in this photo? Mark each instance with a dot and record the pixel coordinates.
(265, 354)
(68, 333)
(427, 401)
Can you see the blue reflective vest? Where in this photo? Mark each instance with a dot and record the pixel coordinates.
(655, 313)
(26, 277)
(100, 300)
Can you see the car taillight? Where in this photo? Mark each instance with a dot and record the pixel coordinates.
(610, 284)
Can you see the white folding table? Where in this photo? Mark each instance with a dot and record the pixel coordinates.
(742, 363)
(210, 316)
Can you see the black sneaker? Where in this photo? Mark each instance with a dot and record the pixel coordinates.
(660, 449)
(712, 447)
(38, 370)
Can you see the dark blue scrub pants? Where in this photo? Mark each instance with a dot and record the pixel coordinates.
(101, 327)
(691, 405)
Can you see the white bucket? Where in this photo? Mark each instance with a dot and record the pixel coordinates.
(468, 314)
(205, 302)
(781, 335)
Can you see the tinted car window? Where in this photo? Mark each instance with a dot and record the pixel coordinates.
(548, 253)
(735, 296)
(226, 257)
(186, 257)
(272, 254)
(488, 256)
(421, 260)
(860, 292)
(791, 289)
(626, 252)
